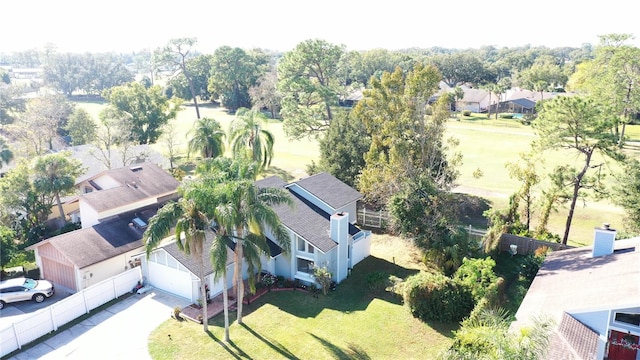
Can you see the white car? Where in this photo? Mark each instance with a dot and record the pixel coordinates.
(21, 289)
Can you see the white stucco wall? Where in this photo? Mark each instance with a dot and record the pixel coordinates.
(103, 270)
(88, 215)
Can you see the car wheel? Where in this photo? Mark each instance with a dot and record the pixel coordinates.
(1, 305)
(38, 298)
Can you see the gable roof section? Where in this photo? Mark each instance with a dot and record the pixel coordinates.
(189, 261)
(92, 245)
(474, 95)
(561, 283)
(94, 166)
(572, 341)
(137, 182)
(329, 189)
(304, 218)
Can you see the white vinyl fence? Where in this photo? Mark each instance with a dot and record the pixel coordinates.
(49, 319)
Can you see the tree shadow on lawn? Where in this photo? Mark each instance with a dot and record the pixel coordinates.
(352, 352)
(353, 294)
(271, 343)
(227, 348)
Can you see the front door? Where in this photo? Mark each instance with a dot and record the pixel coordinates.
(622, 346)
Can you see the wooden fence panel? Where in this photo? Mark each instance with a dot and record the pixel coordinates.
(527, 246)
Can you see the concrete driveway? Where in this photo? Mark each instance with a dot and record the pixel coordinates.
(12, 312)
(118, 332)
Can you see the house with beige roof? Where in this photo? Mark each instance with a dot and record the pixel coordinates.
(114, 210)
(593, 295)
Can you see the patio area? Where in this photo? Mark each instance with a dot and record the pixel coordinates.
(216, 306)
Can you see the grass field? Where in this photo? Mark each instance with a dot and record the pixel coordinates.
(485, 144)
(349, 323)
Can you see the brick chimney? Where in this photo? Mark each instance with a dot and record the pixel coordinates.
(339, 228)
(603, 241)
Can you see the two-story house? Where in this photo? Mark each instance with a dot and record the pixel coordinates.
(322, 230)
(114, 210)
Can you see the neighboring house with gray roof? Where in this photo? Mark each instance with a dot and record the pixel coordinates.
(322, 230)
(114, 210)
(476, 100)
(593, 295)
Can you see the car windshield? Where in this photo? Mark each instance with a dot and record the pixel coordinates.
(30, 283)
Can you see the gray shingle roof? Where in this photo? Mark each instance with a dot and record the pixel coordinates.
(572, 340)
(560, 283)
(329, 189)
(103, 241)
(137, 182)
(308, 220)
(94, 166)
(190, 262)
(302, 219)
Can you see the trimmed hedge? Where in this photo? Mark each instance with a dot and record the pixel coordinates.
(437, 297)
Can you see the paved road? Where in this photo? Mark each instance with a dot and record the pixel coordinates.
(118, 332)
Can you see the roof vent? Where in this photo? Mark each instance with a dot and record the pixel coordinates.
(136, 168)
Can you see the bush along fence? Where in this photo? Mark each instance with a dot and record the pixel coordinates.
(49, 319)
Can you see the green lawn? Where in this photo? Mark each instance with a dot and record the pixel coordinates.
(486, 144)
(489, 147)
(349, 323)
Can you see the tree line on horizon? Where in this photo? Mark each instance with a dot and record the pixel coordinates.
(306, 88)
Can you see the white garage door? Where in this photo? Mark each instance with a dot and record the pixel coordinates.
(170, 280)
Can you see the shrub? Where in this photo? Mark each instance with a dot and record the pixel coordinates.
(466, 113)
(176, 313)
(478, 276)
(530, 264)
(323, 277)
(437, 297)
(506, 116)
(377, 281)
(268, 280)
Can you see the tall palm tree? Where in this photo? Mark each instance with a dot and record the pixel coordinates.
(247, 135)
(218, 255)
(191, 225)
(5, 153)
(207, 138)
(246, 209)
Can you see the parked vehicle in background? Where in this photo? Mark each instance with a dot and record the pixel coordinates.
(22, 289)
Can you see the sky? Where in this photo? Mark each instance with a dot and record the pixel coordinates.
(133, 25)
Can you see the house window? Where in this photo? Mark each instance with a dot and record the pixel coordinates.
(631, 319)
(305, 266)
(304, 246)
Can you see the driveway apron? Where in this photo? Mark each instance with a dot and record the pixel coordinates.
(119, 332)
